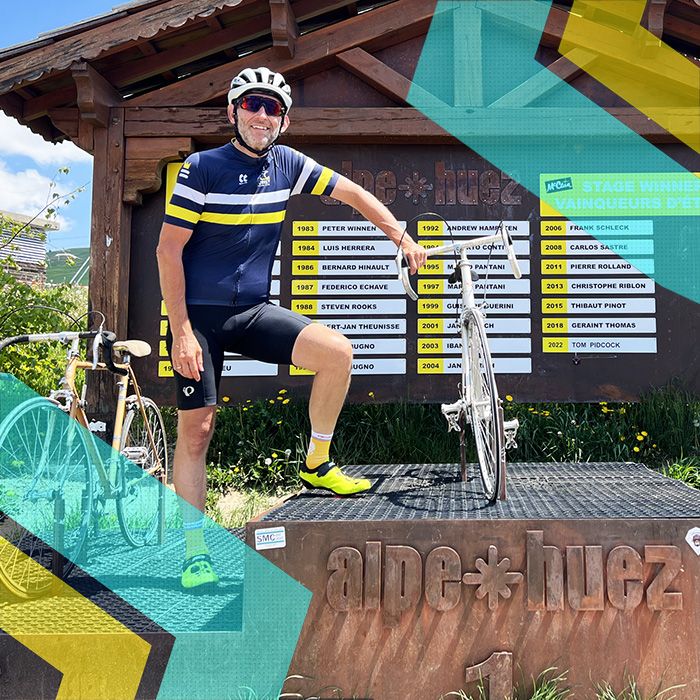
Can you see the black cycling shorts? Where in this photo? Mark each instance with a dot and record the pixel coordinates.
(264, 332)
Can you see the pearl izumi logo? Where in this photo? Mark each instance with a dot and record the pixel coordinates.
(188, 390)
(581, 577)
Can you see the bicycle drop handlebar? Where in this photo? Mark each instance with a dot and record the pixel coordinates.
(105, 338)
(502, 237)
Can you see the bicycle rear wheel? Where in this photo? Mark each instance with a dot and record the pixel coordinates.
(46, 496)
(484, 408)
(142, 475)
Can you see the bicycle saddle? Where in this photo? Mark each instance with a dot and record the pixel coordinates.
(137, 348)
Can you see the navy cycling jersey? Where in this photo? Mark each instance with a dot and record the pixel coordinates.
(235, 206)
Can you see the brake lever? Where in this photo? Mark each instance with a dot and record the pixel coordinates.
(402, 267)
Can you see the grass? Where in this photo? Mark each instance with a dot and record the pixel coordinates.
(260, 444)
(632, 692)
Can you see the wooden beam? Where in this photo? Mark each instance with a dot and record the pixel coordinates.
(387, 25)
(283, 25)
(145, 158)
(547, 79)
(67, 121)
(469, 67)
(679, 28)
(110, 242)
(40, 106)
(95, 95)
(159, 63)
(375, 73)
(208, 125)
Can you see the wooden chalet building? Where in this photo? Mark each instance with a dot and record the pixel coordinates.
(146, 84)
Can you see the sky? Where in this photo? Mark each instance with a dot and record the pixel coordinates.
(29, 166)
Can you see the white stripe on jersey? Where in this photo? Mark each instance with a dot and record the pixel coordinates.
(255, 198)
(188, 193)
(306, 171)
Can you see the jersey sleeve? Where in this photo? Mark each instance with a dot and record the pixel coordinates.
(306, 176)
(187, 200)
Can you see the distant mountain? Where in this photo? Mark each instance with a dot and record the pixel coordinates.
(63, 264)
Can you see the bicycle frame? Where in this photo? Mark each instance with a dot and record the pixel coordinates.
(74, 364)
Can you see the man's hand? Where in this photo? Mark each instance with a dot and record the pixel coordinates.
(187, 355)
(416, 255)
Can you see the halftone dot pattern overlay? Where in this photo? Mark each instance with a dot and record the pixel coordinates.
(579, 160)
(237, 639)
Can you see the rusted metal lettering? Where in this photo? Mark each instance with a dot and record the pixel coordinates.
(498, 669)
(373, 575)
(584, 577)
(658, 596)
(344, 587)
(443, 575)
(545, 574)
(625, 581)
(402, 581)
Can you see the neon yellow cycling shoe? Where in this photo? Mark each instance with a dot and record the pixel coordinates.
(330, 477)
(198, 574)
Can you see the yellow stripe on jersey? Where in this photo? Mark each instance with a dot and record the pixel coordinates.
(181, 213)
(322, 181)
(272, 217)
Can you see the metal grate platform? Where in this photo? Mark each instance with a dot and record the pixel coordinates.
(536, 490)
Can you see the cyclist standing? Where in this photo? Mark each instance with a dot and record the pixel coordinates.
(215, 255)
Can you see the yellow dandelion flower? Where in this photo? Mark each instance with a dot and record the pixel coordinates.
(371, 394)
(237, 469)
(623, 410)
(622, 438)
(640, 437)
(274, 455)
(282, 391)
(245, 408)
(654, 445)
(603, 403)
(605, 409)
(248, 400)
(271, 401)
(286, 401)
(279, 398)
(635, 448)
(509, 397)
(225, 399)
(279, 422)
(532, 410)
(644, 432)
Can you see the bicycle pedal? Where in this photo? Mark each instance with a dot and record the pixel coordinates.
(510, 430)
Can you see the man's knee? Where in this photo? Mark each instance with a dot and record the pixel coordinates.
(340, 355)
(195, 429)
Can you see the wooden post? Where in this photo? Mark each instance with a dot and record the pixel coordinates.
(110, 245)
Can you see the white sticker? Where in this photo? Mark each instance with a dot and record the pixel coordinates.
(270, 538)
(693, 539)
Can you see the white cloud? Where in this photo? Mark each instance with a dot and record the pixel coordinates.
(28, 191)
(18, 140)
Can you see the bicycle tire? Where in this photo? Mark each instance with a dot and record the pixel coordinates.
(463, 447)
(44, 454)
(484, 408)
(142, 477)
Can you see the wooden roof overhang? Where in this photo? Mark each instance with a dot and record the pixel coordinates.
(146, 84)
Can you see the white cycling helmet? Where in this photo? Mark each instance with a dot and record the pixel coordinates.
(261, 80)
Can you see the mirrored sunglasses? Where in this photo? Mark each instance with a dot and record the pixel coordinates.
(252, 103)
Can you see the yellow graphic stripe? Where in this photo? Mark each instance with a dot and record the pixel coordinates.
(97, 655)
(322, 181)
(635, 64)
(272, 217)
(181, 213)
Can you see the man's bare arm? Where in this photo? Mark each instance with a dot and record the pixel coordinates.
(373, 210)
(186, 352)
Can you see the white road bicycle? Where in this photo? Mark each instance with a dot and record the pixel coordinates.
(478, 402)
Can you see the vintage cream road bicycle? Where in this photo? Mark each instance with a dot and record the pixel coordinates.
(60, 477)
(478, 402)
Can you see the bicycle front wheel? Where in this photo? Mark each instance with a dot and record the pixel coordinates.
(46, 493)
(484, 409)
(142, 474)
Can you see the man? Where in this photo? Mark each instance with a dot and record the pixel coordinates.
(217, 245)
